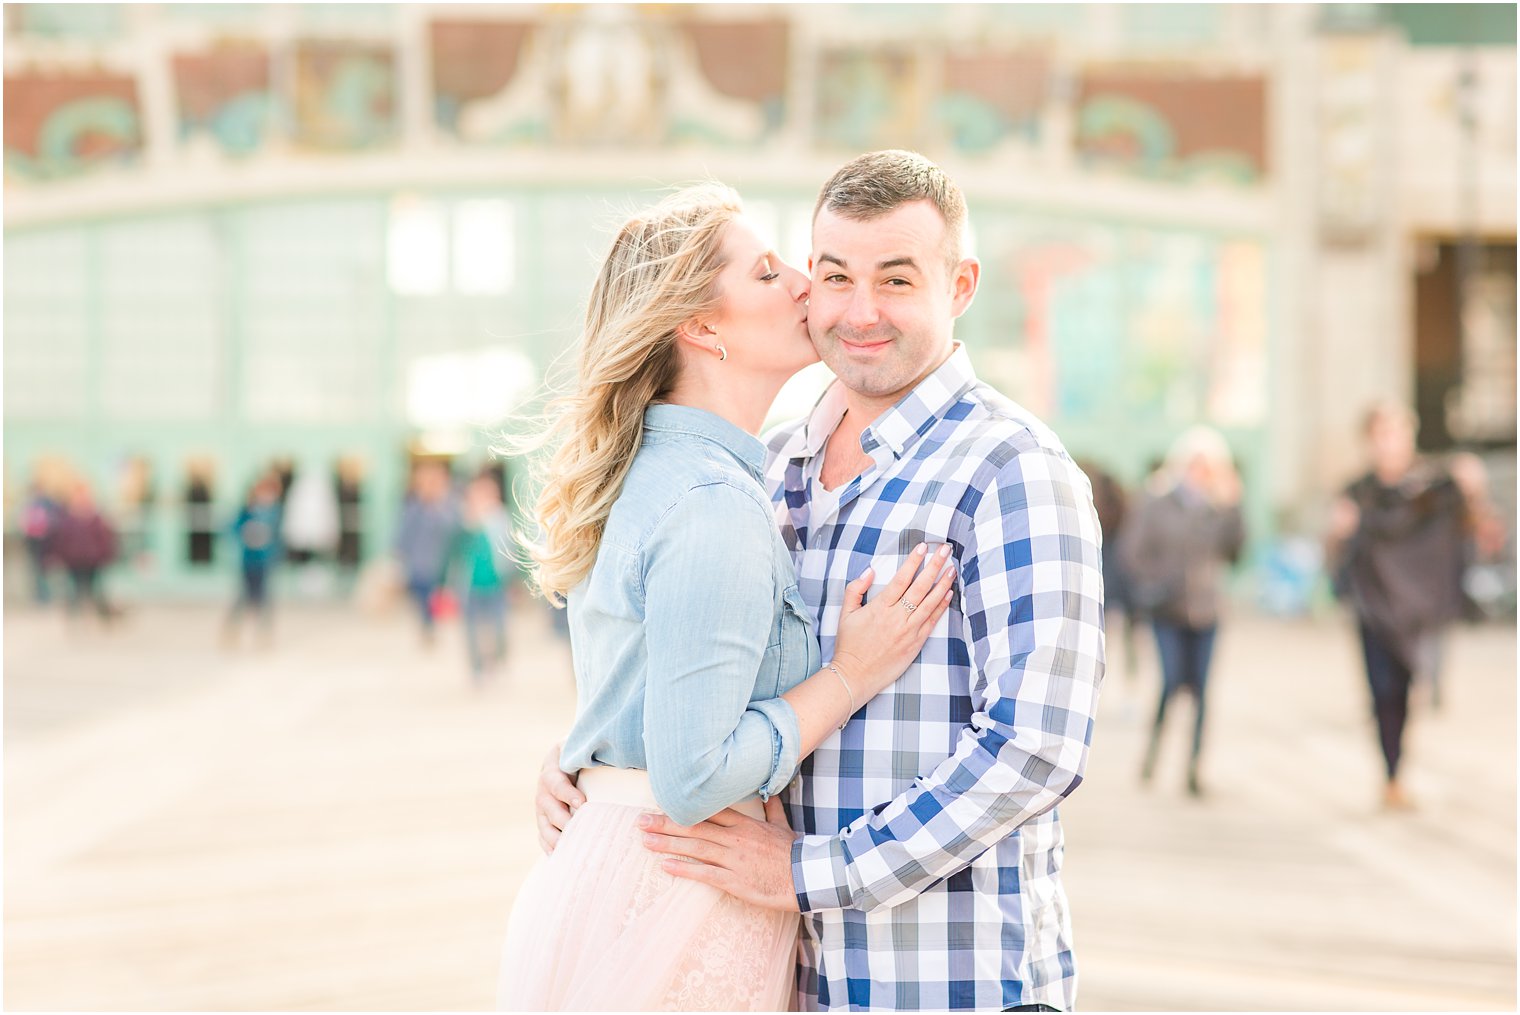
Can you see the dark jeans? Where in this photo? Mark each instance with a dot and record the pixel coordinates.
(485, 628)
(1389, 679)
(84, 583)
(36, 555)
(1185, 655)
(421, 590)
(253, 594)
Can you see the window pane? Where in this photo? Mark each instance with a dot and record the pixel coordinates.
(417, 247)
(483, 246)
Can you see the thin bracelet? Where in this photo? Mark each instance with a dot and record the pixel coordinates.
(846, 683)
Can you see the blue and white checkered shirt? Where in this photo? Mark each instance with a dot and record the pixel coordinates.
(929, 871)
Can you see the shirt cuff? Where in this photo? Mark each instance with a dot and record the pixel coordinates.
(786, 738)
(820, 873)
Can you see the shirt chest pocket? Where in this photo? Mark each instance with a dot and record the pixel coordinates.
(792, 655)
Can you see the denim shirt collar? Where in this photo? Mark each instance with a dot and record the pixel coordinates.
(899, 427)
(683, 419)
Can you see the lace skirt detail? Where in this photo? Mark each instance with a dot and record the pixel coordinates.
(598, 926)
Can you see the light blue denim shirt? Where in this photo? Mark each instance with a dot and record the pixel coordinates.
(689, 626)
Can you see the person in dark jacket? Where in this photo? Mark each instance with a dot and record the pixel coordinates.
(1398, 543)
(84, 543)
(1111, 502)
(1177, 546)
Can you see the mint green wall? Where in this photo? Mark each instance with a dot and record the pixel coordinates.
(266, 329)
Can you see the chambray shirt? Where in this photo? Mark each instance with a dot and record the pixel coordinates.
(690, 626)
(929, 868)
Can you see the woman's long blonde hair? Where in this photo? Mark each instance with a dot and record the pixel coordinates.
(661, 273)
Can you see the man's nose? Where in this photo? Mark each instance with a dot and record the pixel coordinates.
(862, 312)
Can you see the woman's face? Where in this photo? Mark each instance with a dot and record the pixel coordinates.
(1391, 439)
(762, 317)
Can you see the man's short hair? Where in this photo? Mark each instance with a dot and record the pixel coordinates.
(872, 185)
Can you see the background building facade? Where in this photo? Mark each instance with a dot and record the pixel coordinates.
(355, 236)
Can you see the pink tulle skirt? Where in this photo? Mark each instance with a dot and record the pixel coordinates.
(598, 926)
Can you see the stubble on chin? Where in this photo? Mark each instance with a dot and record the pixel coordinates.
(870, 380)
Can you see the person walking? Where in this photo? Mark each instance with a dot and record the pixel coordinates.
(1177, 547)
(257, 531)
(84, 543)
(483, 567)
(1398, 543)
(310, 519)
(425, 539)
(1111, 501)
(39, 520)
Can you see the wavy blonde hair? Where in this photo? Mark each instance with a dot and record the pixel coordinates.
(661, 272)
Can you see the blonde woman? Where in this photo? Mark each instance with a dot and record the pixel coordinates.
(699, 681)
(1178, 547)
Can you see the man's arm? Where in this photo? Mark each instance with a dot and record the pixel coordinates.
(1032, 609)
(1032, 606)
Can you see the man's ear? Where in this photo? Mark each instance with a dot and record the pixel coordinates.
(963, 282)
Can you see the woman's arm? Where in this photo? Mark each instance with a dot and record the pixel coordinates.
(709, 613)
(710, 607)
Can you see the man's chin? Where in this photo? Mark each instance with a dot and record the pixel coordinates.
(870, 383)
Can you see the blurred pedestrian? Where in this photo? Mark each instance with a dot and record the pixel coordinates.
(1398, 543)
(425, 538)
(200, 520)
(84, 543)
(257, 531)
(1177, 545)
(1111, 502)
(310, 519)
(39, 518)
(349, 491)
(483, 567)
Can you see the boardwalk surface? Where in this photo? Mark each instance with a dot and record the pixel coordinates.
(340, 822)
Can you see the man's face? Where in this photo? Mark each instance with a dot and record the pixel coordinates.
(883, 299)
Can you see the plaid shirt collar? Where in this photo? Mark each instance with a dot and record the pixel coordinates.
(896, 430)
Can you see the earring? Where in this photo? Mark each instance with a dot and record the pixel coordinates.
(722, 353)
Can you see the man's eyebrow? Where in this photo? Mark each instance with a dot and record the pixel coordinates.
(895, 262)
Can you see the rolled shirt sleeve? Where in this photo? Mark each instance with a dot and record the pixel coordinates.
(1031, 610)
(710, 611)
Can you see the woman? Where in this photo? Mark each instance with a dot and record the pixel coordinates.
(85, 544)
(1398, 541)
(699, 678)
(1176, 547)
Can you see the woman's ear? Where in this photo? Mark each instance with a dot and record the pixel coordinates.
(697, 334)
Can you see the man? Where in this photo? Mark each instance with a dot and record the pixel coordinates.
(424, 539)
(928, 868)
